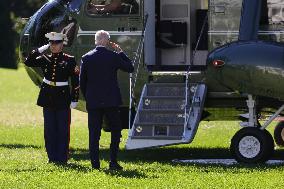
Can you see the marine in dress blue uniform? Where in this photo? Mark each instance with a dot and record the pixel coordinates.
(55, 95)
(99, 85)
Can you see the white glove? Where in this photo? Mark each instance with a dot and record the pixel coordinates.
(43, 48)
(73, 105)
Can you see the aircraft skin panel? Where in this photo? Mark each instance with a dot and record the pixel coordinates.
(224, 18)
(245, 72)
(224, 15)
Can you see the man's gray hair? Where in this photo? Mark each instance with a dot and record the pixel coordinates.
(101, 36)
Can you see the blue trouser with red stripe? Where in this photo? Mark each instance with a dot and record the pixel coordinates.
(57, 134)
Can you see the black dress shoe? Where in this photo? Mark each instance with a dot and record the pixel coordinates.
(115, 166)
(51, 161)
(56, 162)
(96, 165)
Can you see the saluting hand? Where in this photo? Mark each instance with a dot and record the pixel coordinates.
(43, 48)
(73, 105)
(116, 47)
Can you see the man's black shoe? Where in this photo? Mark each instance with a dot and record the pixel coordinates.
(96, 165)
(51, 161)
(56, 162)
(115, 166)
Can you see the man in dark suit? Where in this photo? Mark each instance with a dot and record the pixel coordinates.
(99, 85)
(55, 96)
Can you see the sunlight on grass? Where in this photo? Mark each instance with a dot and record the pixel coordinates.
(18, 96)
(23, 160)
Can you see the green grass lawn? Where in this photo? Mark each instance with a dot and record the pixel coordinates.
(23, 158)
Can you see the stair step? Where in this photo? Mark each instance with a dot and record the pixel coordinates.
(165, 97)
(158, 130)
(166, 84)
(158, 124)
(161, 116)
(158, 137)
(166, 89)
(164, 102)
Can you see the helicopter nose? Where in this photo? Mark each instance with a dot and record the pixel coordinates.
(216, 60)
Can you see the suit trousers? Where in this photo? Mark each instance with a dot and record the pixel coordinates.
(57, 133)
(95, 120)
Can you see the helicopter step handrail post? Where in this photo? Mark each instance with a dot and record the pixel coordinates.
(133, 76)
(187, 110)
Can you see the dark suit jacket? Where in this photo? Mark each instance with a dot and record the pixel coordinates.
(98, 77)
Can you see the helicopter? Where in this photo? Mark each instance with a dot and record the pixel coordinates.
(194, 60)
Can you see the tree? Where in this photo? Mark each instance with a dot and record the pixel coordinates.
(7, 42)
(25, 8)
(11, 26)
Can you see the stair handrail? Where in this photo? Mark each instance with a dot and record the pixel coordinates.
(187, 112)
(133, 76)
(187, 115)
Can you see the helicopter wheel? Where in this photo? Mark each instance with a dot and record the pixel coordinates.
(252, 145)
(279, 134)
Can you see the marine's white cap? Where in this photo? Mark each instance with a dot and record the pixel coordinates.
(54, 36)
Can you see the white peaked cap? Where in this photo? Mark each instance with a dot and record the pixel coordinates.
(54, 36)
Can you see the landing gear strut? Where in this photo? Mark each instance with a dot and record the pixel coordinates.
(253, 143)
(279, 134)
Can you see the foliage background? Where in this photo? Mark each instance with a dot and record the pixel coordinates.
(12, 21)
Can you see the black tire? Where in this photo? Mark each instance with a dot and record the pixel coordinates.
(270, 143)
(279, 134)
(264, 145)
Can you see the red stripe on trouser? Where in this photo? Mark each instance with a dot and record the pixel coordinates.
(69, 123)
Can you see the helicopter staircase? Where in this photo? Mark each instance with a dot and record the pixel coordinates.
(168, 113)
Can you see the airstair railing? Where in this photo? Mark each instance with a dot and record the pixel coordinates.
(133, 76)
(187, 108)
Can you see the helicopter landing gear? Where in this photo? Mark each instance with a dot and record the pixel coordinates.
(279, 134)
(253, 143)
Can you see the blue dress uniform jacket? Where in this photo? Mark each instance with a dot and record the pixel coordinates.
(55, 98)
(56, 68)
(98, 77)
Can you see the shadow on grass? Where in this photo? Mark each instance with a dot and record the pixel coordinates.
(17, 146)
(167, 154)
(163, 155)
(126, 174)
(76, 167)
(120, 173)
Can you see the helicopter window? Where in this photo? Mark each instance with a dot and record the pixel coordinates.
(113, 7)
(53, 18)
(272, 15)
(74, 5)
(274, 11)
(276, 14)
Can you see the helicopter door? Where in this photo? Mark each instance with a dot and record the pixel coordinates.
(174, 32)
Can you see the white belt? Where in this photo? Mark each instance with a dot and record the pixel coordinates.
(53, 83)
